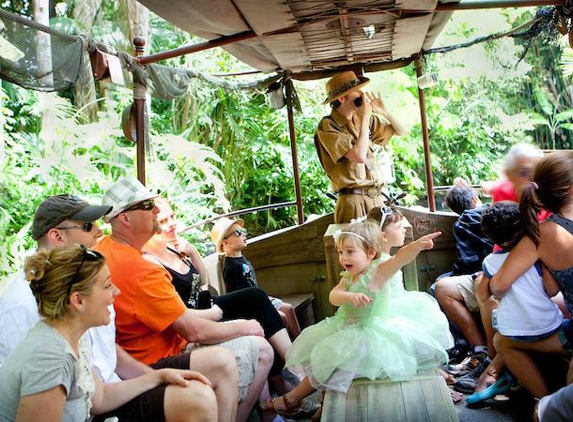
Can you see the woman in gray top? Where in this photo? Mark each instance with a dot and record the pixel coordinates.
(49, 376)
(550, 241)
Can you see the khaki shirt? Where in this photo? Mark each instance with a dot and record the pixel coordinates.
(336, 136)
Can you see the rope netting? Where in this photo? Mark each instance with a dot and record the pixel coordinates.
(37, 57)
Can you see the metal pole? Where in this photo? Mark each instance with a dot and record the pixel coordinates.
(152, 58)
(426, 141)
(292, 135)
(139, 101)
(471, 5)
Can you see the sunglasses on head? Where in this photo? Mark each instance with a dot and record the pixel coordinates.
(87, 255)
(87, 226)
(238, 233)
(146, 205)
(386, 211)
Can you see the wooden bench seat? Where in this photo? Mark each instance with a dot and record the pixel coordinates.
(301, 302)
(424, 398)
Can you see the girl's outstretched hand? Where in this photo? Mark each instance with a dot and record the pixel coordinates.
(360, 300)
(427, 242)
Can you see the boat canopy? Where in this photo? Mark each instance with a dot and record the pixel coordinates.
(312, 38)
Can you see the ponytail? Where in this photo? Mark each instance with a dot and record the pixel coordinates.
(550, 190)
(529, 207)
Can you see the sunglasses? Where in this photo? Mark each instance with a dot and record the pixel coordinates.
(87, 227)
(238, 233)
(146, 205)
(88, 255)
(386, 211)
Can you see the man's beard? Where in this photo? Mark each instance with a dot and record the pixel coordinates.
(157, 227)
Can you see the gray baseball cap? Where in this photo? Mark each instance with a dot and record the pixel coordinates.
(58, 208)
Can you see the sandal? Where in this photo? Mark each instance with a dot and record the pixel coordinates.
(504, 383)
(290, 408)
(317, 415)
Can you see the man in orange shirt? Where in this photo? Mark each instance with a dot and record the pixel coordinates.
(152, 321)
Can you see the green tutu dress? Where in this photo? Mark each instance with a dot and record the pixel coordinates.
(399, 333)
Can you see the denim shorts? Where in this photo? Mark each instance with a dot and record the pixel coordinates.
(565, 333)
(537, 337)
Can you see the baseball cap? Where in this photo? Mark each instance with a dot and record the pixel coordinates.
(58, 208)
(124, 194)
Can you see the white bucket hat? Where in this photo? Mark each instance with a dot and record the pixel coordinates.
(220, 229)
(124, 194)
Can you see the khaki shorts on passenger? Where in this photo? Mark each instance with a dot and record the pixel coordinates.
(465, 285)
(246, 351)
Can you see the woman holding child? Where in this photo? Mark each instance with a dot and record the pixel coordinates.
(49, 376)
(551, 242)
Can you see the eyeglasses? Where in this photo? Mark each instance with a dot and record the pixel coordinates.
(146, 205)
(238, 233)
(88, 255)
(386, 211)
(87, 227)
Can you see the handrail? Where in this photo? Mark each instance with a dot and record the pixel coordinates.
(240, 212)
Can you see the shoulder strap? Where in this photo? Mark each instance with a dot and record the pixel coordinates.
(562, 221)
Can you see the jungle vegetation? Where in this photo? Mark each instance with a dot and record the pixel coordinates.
(213, 151)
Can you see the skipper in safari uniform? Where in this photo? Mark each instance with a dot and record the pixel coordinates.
(344, 144)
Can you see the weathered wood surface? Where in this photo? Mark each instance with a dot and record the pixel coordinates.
(439, 260)
(292, 261)
(424, 398)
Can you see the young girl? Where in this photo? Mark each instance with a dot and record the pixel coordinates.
(380, 330)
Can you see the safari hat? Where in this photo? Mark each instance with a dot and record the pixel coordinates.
(220, 229)
(55, 209)
(124, 194)
(342, 84)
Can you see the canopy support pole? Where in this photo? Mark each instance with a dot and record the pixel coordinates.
(426, 141)
(292, 135)
(139, 101)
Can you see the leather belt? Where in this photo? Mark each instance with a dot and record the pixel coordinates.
(372, 192)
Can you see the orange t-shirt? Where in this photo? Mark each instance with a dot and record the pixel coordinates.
(147, 306)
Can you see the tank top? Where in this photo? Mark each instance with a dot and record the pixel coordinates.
(564, 277)
(188, 285)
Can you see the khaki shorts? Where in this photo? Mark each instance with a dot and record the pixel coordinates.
(246, 351)
(465, 285)
(354, 206)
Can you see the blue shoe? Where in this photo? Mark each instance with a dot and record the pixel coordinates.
(504, 383)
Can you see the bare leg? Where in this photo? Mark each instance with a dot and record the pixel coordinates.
(516, 356)
(264, 364)
(195, 403)
(220, 366)
(485, 309)
(291, 320)
(491, 374)
(281, 342)
(452, 303)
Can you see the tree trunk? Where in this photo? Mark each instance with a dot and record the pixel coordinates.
(138, 20)
(43, 43)
(85, 89)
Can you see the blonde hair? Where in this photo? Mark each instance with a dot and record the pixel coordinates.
(51, 272)
(364, 234)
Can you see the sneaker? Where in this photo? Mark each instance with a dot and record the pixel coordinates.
(457, 354)
(467, 365)
(467, 384)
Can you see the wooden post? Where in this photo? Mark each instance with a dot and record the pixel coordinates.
(426, 141)
(292, 135)
(139, 101)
